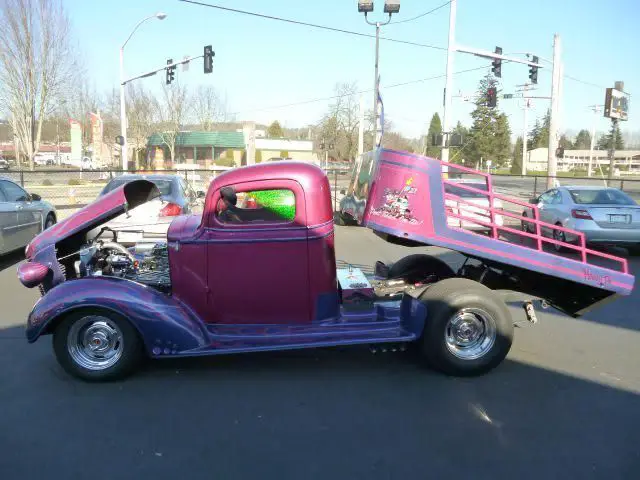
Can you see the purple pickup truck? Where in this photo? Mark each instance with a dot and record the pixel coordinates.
(248, 276)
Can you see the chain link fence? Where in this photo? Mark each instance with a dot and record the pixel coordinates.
(71, 188)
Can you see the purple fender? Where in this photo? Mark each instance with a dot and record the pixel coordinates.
(166, 326)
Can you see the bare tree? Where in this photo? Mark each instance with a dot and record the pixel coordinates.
(37, 63)
(339, 126)
(208, 107)
(172, 111)
(141, 111)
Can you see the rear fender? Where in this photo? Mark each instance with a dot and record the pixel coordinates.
(166, 326)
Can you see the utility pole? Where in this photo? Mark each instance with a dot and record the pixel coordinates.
(552, 165)
(448, 88)
(525, 126)
(596, 110)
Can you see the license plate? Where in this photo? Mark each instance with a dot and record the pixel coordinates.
(618, 218)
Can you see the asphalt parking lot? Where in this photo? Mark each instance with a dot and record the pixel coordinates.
(565, 404)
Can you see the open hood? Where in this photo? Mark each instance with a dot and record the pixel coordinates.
(100, 211)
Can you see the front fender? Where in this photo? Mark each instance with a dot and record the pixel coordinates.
(166, 325)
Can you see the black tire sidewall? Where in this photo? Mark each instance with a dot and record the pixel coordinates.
(50, 218)
(412, 264)
(131, 355)
(440, 310)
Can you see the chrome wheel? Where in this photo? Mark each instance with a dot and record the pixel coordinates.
(470, 333)
(95, 343)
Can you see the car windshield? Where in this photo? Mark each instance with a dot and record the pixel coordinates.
(163, 185)
(608, 196)
(461, 192)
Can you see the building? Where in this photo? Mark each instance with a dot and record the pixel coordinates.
(627, 161)
(208, 149)
(274, 148)
(205, 149)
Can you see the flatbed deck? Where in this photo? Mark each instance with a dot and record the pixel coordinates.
(407, 204)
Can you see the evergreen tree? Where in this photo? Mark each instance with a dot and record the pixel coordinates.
(604, 140)
(435, 128)
(489, 136)
(516, 165)
(565, 142)
(583, 140)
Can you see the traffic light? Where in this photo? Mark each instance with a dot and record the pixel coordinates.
(533, 71)
(497, 64)
(492, 97)
(208, 59)
(170, 72)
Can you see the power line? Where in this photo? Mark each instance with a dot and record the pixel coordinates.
(584, 82)
(306, 24)
(333, 97)
(421, 15)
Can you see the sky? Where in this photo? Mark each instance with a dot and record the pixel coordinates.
(262, 66)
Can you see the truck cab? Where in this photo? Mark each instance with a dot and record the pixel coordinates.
(277, 252)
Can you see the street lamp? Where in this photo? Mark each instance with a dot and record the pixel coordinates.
(123, 114)
(390, 7)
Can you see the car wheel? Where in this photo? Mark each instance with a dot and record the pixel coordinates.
(526, 226)
(97, 345)
(559, 236)
(50, 221)
(468, 330)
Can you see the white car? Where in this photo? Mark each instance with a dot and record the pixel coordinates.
(479, 210)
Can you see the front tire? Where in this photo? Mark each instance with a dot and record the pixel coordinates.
(468, 330)
(97, 345)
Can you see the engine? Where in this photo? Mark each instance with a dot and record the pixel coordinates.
(144, 263)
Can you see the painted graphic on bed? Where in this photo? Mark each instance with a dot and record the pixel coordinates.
(397, 203)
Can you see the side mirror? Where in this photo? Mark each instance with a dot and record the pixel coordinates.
(35, 197)
(200, 194)
(534, 200)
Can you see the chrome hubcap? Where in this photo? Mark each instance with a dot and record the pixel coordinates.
(470, 333)
(558, 236)
(95, 343)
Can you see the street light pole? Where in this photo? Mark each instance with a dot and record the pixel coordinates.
(376, 84)
(123, 115)
(366, 7)
(552, 161)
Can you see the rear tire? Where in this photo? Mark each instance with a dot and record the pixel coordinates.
(97, 345)
(468, 330)
(417, 267)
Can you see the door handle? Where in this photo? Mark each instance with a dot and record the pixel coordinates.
(19, 207)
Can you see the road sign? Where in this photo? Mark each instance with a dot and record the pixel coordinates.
(513, 95)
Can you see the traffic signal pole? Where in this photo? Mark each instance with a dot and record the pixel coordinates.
(448, 88)
(452, 48)
(552, 161)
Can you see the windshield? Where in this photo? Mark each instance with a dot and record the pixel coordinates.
(461, 192)
(163, 185)
(601, 197)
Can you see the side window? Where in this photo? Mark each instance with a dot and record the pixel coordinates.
(256, 206)
(557, 198)
(13, 192)
(547, 197)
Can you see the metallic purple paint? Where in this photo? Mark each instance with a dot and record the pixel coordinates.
(32, 274)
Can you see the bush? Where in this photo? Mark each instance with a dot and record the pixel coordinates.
(225, 162)
(75, 181)
(229, 154)
(258, 156)
(47, 183)
(284, 154)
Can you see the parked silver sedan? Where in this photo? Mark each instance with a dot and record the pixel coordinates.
(606, 216)
(22, 216)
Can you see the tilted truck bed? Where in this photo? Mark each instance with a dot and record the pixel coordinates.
(406, 201)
